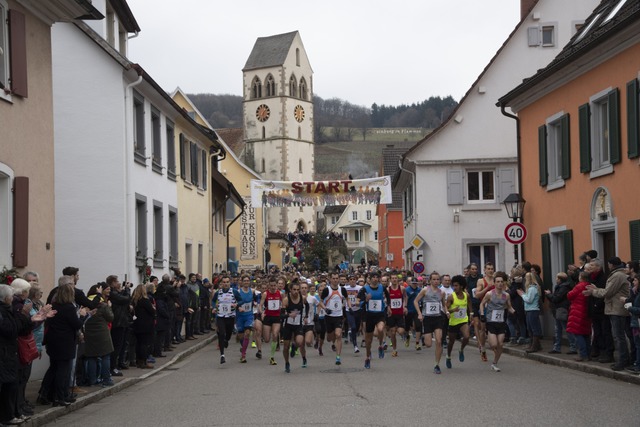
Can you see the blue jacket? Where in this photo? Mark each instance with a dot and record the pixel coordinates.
(531, 298)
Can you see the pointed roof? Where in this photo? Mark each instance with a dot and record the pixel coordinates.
(391, 155)
(270, 51)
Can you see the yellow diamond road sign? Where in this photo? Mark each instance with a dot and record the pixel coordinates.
(417, 241)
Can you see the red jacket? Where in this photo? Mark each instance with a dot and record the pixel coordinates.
(579, 322)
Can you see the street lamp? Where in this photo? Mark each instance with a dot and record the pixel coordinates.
(514, 204)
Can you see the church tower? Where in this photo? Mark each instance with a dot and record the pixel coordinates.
(278, 120)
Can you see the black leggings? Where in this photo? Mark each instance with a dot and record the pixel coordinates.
(225, 330)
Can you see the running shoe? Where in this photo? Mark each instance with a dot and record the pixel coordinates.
(315, 345)
(448, 363)
(292, 353)
(222, 359)
(385, 345)
(338, 362)
(243, 359)
(363, 344)
(495, 368)
(304, 362)
(437, 370)
(253, 344)
(407, 342)
(272, 361)
(367, 363)
(356, 349)
(418, 347)
(259, 354)
(381, 352)
(461, 356)
(320, 353)
(394, 353)
(483, 356)
(333, 347)
(287, 367)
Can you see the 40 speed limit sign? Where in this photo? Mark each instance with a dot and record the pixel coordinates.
(515, 233)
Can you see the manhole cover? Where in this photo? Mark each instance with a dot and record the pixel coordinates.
(341, 370)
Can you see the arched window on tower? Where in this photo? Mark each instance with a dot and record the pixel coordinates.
(263, 166)
(270, 84)
(298, 57)
(293, 87)
(299, 132)
(264, 133)
(256, 88)
(300, 165)
(303, 88)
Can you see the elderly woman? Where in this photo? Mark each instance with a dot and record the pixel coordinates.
(9, 328)
(60, 340)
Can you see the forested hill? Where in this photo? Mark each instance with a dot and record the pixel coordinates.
(225, 111)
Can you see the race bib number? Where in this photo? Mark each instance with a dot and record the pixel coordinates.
(246, 307)
(396, 303)
(473, 292)
(224, 308)
(497, 316)
(322, 312)
(294, 320)
(352, 300)
(374, 305)
(273, 304)
(335, 304)
(461, 313)
(432, 309)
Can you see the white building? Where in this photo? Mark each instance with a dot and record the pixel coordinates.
(455, 180)
(358, 226)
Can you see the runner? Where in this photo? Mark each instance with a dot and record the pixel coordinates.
(224, 305)
(334, 298)
(496, 302)
(297, 310)
(308, 328)
(433, 315)
(411, 319)
(398, 309)
(354, 313)
(244, 318)
(485, 284)
(445, 286)
(321, 325)
(257, 320)
(269, 309)
(374, 298)
(459, 305)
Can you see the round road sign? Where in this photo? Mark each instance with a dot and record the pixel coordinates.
(515, 233)
(418, 267)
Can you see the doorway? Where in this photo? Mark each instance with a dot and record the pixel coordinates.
(608, 248)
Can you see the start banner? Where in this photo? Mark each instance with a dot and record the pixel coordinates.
(321, 193)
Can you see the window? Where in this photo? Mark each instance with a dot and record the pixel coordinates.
(634, 238)
(185, 164)
(173, 237)
(357, 235)
(303, 88)
(548, 35)
(375, 235)
(264, 133)
(368, 215)
(480, 187)
(557, 254)
(141, 229)
(297, 57)
(334, 219)
(633, 119)
(599, 125)
(203, 158)
(188, 257)
(256, 88)
(138, 128)
(408, 202)
(13, 53)
(110, 23)
(300, 165)
(543, 35)
(6, 215)
(614, 11)
(156, 137)
(193, 152)
(293, 87)
(230, 210)
(171, 150)
(158, 239)
(262, 164)
(4, 48)
(354, 215)
(270, 85)
(482, 254)
(200, 257)
(553, 145)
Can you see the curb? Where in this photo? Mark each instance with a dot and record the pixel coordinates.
(52, 414)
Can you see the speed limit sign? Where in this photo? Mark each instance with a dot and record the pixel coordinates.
(515, 233)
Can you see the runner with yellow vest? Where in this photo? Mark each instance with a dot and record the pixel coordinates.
(459, 305)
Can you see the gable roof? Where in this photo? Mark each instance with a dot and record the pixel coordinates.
(234, 138)
(127, 19)
(446, 122)
(270, 51)
(390, 157)
(594, 32)
(337, 209)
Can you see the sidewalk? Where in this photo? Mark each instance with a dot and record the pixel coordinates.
(131, 376)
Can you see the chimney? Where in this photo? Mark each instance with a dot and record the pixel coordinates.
(525, 7)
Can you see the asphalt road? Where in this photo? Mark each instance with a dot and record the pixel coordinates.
(394, 392)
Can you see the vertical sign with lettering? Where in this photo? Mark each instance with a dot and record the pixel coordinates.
(248, 232)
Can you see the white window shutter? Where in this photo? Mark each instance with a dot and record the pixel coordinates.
(455, 187)
(506, 183)
(533, 35)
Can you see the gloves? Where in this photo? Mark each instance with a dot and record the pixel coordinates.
(328, 311)
(483, 318)
(627, 305)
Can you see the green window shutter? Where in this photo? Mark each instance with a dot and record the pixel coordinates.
(614, 127)
(566, 148)
(633, 120)
(567, 236)
(546, 261)
(183, 163)
(584, 124)
(542, 154)
(634, 237)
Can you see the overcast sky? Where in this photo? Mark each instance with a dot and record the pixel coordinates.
(389, 52)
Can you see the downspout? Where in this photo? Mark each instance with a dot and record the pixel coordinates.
(213, 218)
(230, 224)
(518, 143)
(212, 152)
(414, 213)
(129, 240)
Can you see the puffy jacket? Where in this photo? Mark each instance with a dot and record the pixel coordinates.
(559, 297)
(635, 312)
(120, 303)
(8, 345)
(579, 322)
(617, 286)
(97, 337)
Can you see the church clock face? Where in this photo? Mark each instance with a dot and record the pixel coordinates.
(263, 112)
(298, 113)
